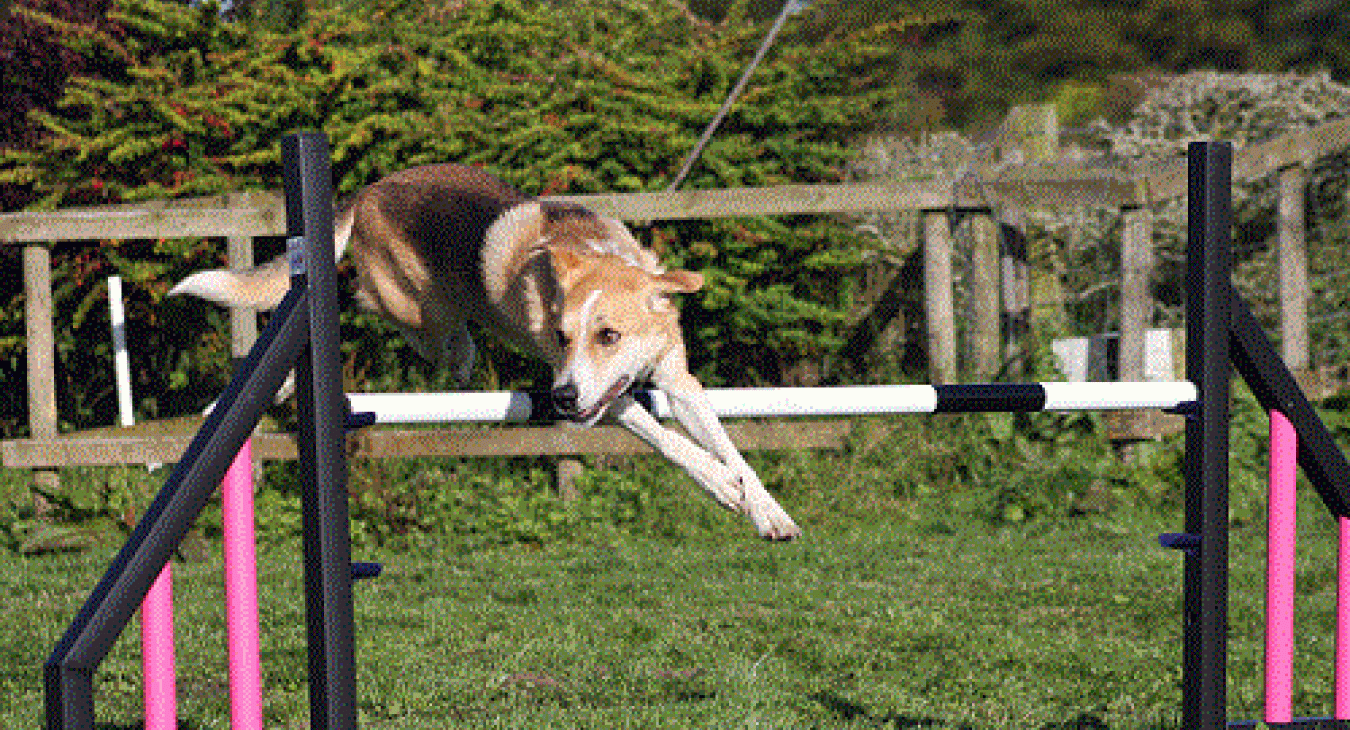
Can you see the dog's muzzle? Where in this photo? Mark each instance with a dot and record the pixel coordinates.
(565, 400)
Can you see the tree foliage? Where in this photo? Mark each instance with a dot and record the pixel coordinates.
(603, 95)
(979, 57)
(34, 65)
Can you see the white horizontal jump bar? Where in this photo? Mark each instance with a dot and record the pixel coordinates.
(493, 406)
(1126, 396)
(851, 400)
(516, 407)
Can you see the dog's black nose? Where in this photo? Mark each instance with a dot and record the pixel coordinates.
(565, 398)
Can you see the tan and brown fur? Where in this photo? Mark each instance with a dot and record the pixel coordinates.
(440, 246)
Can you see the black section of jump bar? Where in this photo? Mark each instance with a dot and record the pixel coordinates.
(321, 441)
(1205, 610)
(68, 674)
(990, 398)
(1276, 389)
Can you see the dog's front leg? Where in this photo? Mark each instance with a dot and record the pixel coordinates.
(714, 476)
(691, 408)
(720, 481)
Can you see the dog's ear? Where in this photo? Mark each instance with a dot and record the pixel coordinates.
(673, 282)
(679, 282)
(567, 264)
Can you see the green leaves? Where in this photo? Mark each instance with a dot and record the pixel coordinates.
(594, 96)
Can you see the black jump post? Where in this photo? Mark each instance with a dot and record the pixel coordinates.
(301, 334)
(1205, 613)
(321, 441)
(1222, 335)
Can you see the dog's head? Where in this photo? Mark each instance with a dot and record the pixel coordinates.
(614, 321)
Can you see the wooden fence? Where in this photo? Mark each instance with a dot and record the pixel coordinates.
(1003, 187)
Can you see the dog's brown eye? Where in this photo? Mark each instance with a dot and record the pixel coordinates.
(607, 336)
(560, 338)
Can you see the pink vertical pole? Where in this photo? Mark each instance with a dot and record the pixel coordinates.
(241, 593)
(1343, 622)
(1281, 535)
(157, 659)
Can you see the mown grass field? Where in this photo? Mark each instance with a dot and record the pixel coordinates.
(921, 623)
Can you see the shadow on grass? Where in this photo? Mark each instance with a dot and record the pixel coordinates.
(851, 711)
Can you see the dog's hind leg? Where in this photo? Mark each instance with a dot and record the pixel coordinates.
(447, 345)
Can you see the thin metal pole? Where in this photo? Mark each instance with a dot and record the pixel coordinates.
(321, 442)
(1209, 223)
(790, 7)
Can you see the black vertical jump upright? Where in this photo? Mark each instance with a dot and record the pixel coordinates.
(1205, 621)
(1223, 336)
(302, 333)
(321, 407)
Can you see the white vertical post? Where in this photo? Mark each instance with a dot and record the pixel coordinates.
(121, 359)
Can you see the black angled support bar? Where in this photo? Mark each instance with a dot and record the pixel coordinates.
(68, 674)
(1275, 388)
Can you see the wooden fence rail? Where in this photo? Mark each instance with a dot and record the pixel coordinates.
(384, 443)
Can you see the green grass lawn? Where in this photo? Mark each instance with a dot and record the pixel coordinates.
(1067, 625)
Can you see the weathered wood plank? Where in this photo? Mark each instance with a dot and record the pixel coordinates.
(1052, 185)
(1137, 264)
(383, 443)
(135, 224)
(41, 340)
(937, 292)
(1295, 290)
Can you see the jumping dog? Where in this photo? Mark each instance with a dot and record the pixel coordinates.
(439, 246)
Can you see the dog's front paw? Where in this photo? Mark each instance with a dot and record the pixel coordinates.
(740, 490)
(721, 483)
(771, 521)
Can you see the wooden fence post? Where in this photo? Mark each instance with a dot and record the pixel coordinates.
(567, 471)
(1293, 264)
(41, 351)
(1136, 295)
(984, 337)
(938, 309)
(243, 321)
(1016, 290)
(1030, 135)
(41, 339)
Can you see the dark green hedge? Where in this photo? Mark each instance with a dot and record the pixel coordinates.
(599, 95)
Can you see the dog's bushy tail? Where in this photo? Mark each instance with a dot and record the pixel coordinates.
(261, 287)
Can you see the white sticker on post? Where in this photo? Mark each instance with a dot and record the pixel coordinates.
(295, 255)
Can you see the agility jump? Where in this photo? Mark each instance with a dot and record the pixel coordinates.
(302, 334)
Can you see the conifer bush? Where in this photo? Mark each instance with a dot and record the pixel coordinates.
(593, 96)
